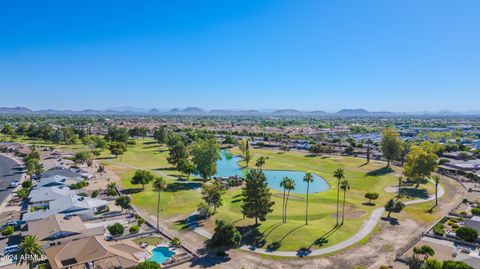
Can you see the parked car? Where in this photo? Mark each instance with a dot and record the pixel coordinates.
(14, 184)
(452, 235)
(10, 249)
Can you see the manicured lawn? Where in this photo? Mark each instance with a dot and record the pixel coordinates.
(182, 198)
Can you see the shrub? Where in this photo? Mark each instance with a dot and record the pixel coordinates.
(463, 212)
(23, 193)
(95, 194)
(476, 211)
(116, 229)
(7, 231)
(79, 185)
(27, 184)
(134, 229)
(140, 221)
(466, 233)
(439, 229)
(148, 265)
(455, 226)
(175, 242)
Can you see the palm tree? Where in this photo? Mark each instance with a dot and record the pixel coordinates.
(159, 184)
(344, 186)
(436, 178)
(400, 179)
(29, 251)
(284, 184)
(339, 175)
(369, 141)
(260, 162)
(289, 186)
(307, 178)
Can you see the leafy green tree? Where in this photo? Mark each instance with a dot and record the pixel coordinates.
(419, 164)
(148, 265)
(142, 177)
(315, 149)
(390, 144)
(211, 194)
(117, 148)
(186, 167)
(32, 248)
(345, 186)
(175, 243)
(339, 175)
(257, 199)
(100, 143)
(309, 179)
(424, 250)
(225, 236)
(57, 137)
(115, 229)
(176, 150)
(205, 154)
(161, 135)
(394, 206)
(27, 184)
(466, 233)
(123, 201)
(117, 134)
(82, 156)
(159, 184)
(112, 189)
(371, 196)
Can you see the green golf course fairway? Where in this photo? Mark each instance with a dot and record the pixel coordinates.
(182, 199)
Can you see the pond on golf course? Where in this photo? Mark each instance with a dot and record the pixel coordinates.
(228, 166)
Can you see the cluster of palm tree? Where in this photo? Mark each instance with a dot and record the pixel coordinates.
(288, 184)
(342, 184)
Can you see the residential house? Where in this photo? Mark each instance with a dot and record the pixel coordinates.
(58, 229)
(95, 252)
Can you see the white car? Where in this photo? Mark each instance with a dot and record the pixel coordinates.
(10, 249)
(14, 184)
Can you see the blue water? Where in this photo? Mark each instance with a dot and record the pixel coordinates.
(228, 166)
(161, 254)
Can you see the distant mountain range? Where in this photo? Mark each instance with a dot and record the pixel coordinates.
(196, 111)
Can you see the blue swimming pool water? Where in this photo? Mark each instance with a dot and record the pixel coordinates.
(228, 166)
(161, 254)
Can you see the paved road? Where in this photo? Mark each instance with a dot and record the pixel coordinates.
(9, 171)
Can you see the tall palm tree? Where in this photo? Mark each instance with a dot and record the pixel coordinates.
(436, 178)
(307, 178)
(344, 186)
(339, 175)
(30, 250)
(284, 184)
(400, 179)
(159, 185)
(289, 186)
(260, 162)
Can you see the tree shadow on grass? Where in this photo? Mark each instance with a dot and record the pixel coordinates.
(322, 240)
(414, 193)
(165, 169)
(303, 252)
(310, 155)
(391, 220)
(252, 236)
(183, 223)
(131, 190)
(380, 171)
(362, 165)
(182, 186)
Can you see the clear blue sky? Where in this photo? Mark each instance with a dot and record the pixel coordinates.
(310, 55)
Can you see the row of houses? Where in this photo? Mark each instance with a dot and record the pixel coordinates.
(62, 220)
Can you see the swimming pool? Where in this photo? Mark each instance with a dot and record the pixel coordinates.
(228, 166)
(161, 254)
